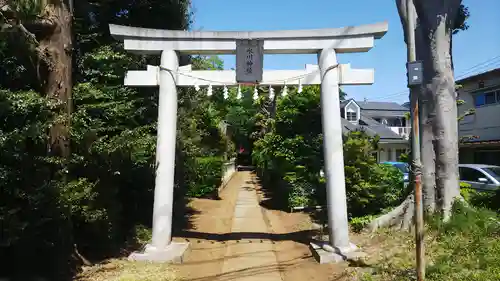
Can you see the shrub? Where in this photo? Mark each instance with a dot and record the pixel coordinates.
(205, 176)
(289, 147)
(481, 199)
(370, 187)
(304, 188)
(35, 223)
(357, 224)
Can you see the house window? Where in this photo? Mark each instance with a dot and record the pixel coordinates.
(487, 98)
(490, 98)
(352, 116)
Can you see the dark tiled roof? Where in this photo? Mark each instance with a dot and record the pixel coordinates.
(384, 113)
(479, 75)
(383, 131)
(372, 128)
(343, 103)
(369, 125)
(380, 105)
(378, 108)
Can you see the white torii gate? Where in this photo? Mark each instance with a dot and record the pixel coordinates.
(324, 42)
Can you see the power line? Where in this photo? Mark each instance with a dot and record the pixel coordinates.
(475, 68)
(483, 66)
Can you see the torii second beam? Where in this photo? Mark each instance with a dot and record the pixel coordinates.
(186, 77)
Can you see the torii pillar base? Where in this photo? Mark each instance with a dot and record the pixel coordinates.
(174, 253)
(324, 253)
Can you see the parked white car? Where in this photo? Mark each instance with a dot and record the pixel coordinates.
(479, 176)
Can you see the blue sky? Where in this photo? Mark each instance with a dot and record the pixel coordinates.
(479, 44)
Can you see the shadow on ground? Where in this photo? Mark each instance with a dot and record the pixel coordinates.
(298, 236)
(275, 197)
(183, 215)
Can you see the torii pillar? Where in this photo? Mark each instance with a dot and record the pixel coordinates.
(324, 42)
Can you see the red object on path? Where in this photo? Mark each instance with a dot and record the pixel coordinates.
(242, 149)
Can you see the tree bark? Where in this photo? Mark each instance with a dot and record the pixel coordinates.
(426, 110)
(427, 154)
(436, 21)
(56, 75)
(438, 112)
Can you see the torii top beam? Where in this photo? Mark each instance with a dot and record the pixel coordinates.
(349, 39)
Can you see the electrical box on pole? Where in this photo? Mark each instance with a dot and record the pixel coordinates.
(415, 72)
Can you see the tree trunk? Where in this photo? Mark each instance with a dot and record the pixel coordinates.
(57, 73)
(427, 155)
(445, 126)
(438, 117)
(426, 110)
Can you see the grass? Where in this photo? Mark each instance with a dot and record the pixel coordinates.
(465, 248)
(122, 270)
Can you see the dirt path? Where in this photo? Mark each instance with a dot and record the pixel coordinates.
(236, 239)
(250, 254)
(292, 249)
(212, 220)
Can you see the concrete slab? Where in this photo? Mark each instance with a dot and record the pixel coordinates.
(322, 256)
(256, 224)
(324, 253)
(252, 257)
(174, 253)
(247, 212)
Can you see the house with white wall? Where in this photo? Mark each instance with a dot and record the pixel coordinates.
(385, 119)
(480, 132)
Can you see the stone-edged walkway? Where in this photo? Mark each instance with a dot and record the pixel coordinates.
(250, 255)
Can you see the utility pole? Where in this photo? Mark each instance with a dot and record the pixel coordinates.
(415, 78)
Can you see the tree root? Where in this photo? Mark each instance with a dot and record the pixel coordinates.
(80, 257)
(400, 218)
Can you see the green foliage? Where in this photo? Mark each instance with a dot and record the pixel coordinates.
(481, 199)
(370, 187)
(100, 198)
(303, 187)
(288, 150)
(289, 146)
(205, 177)
(469, 248)
(464, 248)
(359, 223)
(461, 19)
(26, 9)
(31, 214)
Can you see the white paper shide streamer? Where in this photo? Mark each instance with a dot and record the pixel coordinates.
(285, 91)
(226, 93)
(209, 90)
(255, 93)
(271, 93)
(238, 95)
